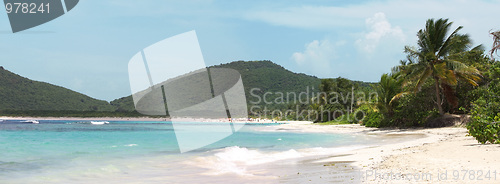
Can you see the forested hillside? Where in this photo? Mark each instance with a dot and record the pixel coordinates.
(20, 93)
(263, 76)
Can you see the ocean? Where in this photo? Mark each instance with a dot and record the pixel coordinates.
(147, 152)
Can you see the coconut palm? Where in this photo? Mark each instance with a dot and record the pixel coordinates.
(432, 60)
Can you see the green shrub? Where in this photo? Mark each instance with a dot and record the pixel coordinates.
(414, 109)
(373, 119)
(486, 109)
(484, 131)
(484, 125)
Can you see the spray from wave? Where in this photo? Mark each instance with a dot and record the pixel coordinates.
(238, 160)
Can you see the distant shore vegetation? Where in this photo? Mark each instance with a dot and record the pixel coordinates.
(69, 113)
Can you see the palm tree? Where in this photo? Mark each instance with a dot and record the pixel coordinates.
(432, 60)
(388, 87)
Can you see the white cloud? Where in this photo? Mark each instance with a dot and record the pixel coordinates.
(316, 57)
(475, 16)
(357, 56)
(379, 28)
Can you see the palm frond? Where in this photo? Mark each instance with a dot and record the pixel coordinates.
(449, 78)
(458, 43)
(412, 52)
(412, 73)
(398, 96)
(471, 79)
(444, 74)
(478, 48)
(460, 67)
(423, 78)
(446, 45)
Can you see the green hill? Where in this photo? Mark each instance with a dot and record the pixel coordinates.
(22, 94)
(19, 94)
(265, 76)
(270, 77)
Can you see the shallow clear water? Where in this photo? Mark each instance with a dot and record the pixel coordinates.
(79, 152)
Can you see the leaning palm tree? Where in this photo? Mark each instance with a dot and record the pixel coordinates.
(432, 60)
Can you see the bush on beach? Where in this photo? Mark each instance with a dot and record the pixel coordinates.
(485, 126)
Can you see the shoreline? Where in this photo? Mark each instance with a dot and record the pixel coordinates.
(86, 118)
(137, 119)
(443, 155)
(433, 152)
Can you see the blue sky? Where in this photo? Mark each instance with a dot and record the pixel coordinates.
(88, 49)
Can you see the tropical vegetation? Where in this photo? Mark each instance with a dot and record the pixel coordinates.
(444, 74)
(485, 111)
(434, 60)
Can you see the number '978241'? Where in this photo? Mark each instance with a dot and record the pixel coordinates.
(27, 7)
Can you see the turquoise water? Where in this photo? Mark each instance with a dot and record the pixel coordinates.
(75, 151)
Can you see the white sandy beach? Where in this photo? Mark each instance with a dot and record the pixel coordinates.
(445, 155)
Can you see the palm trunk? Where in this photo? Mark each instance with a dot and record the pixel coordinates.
(438, 97)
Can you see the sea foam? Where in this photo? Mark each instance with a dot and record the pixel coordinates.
(237, 160)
